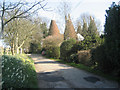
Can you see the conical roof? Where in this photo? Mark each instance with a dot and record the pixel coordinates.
(69, 30)
(53, 28)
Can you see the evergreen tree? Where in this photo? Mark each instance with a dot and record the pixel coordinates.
(112, 37)
(44, 29)
(85, 29)
(79, 29)
(92, 29)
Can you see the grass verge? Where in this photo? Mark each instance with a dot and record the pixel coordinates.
(18, 72)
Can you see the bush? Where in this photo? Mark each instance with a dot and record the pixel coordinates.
(52, 41)
(65, 49)
(35, 48)
(99, 56)
(18, 72)
(90, 42)
(84, 57)
(76, 47)
(108, 54)
(53, 52)
(74, 58)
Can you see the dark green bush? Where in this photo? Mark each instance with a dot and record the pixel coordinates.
(90, 42)
(35, 48)
(74, 58)
(108, 55)
(76, 47)
(53, 52)
(99, 56)
(65, 49)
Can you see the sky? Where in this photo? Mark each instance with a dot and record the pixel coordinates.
(93, 7)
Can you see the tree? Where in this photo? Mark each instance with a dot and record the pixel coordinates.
(112, 37)
(87, 18)
(21, 9)
(79, 29)
(108, 55)
(17, 32)
(44, 29)
(92, 29)
(85, 29)
(64, 9)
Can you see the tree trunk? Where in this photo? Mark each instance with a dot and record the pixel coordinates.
(12, 49)
(20, 50)
(17, 48)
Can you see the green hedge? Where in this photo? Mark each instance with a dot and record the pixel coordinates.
(65, 49)
(18, 72)
(53, 52)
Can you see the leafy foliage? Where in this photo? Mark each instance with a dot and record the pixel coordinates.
(35, 48)
(79, 29)
(108, 55)
(18, 72)
(52, 41)
(65, 49)
(85, 29)
(53, 52)
(44, 29)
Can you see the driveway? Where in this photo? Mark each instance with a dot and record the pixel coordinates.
(52, 74)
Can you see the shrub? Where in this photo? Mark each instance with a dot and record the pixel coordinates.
(74, 58)
(99, 56)
(65, 49)
(18, 72)
(76, 47)
(90, 42)
(108, 54)
(53, 52)
(35, 48)
(52, 41)
(84, 57)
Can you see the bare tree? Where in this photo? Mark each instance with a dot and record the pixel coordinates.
(64, 8)
(18, 31)
(21, 9)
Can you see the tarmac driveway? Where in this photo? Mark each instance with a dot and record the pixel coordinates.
(52, 74)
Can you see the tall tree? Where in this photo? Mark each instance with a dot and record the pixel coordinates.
(87, 18)
(85, 29)
(64, 9)
(92, 29)
(112, 37)
(17, 32)
(44, 29)
(79, 29)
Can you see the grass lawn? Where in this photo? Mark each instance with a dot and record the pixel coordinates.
(89, 69)
(18, 71)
